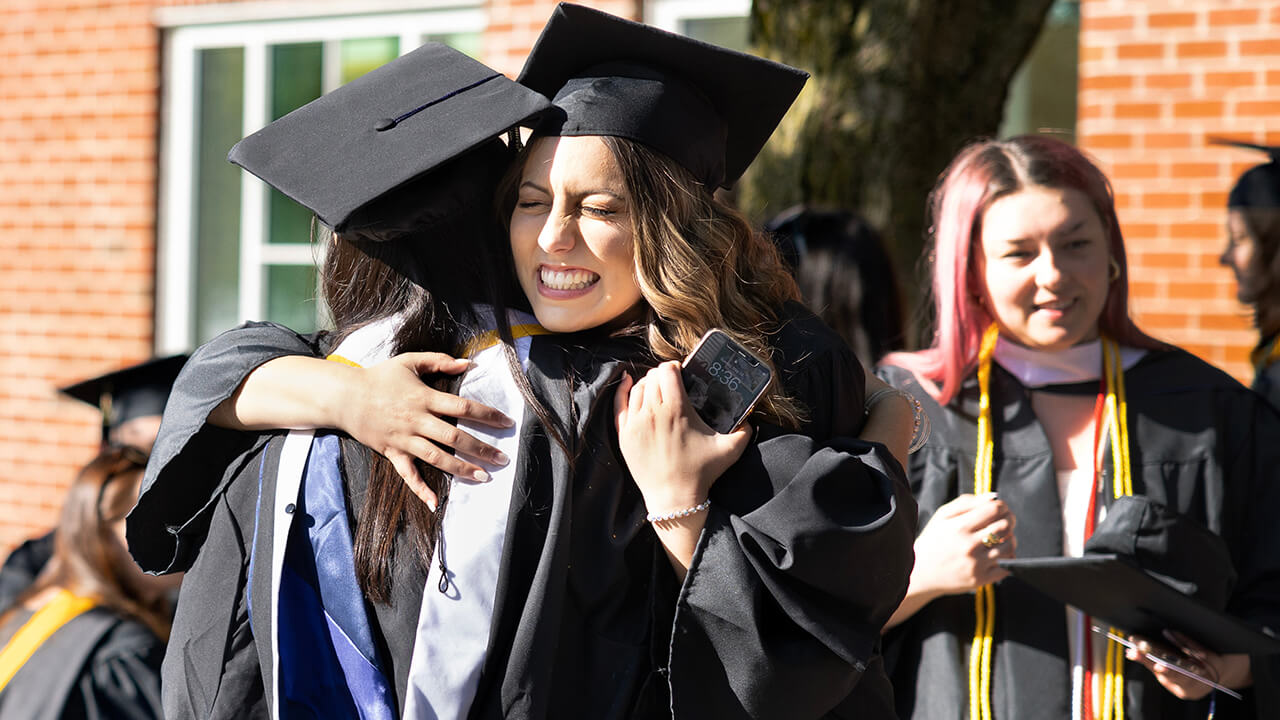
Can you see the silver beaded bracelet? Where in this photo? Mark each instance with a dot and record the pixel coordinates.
(920, 426)
(677, 514)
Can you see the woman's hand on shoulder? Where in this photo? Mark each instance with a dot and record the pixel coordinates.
(391, 410)
(672, 454)
(959, 550)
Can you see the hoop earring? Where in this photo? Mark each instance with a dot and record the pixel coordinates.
(1115, 271)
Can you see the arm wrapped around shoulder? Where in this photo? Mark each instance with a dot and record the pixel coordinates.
(193, 460)
(806, 554)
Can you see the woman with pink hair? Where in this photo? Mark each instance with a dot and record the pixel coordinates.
(1048, 403)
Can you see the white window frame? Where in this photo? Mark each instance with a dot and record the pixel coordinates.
(668, 14)
(253, 26)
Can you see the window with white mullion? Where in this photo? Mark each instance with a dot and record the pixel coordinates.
(230, 247)
(332, 67)
(253, 198)
(175, 254)
(282, 254)
(723, 22)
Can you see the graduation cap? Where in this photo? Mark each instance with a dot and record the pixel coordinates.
(382, 139)
(1259, 186)
(1146, 570)
(131, 392)
(708, 108)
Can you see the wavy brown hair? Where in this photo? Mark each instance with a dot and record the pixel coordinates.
(699, 265)
(89, 556)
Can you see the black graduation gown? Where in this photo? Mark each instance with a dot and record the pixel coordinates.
(1201, 443)
(98, 666)
(587, 622)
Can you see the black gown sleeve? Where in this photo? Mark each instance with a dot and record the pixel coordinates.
(785, 598)
(192, 459)
(213, 667)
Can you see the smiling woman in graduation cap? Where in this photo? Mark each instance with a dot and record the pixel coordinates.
(588, 610)
(1253, 254)
(1049, 405)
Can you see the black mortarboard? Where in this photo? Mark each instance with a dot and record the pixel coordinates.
(128, 393)
(1259, 186)
(386, 129)
(706, 107)
(1146, 570)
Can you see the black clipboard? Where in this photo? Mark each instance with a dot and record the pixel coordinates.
(1115, 591)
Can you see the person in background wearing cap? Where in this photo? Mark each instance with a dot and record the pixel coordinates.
(86, 639)
(1253, 254)
(1042, 389)
(581, 629)
(131, 401)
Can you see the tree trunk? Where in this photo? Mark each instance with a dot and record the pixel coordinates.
(897, 88)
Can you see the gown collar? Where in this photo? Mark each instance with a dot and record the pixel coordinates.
(1041, 368)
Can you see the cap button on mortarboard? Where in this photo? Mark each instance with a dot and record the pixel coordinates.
(384, 124)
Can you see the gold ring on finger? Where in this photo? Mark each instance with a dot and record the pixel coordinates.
(991, 539)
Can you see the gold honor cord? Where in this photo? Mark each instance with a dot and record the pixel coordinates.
(491, 338)
(984, 599)
(62, 609)
(1116, 408)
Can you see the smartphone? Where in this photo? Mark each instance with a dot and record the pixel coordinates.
(724, 380)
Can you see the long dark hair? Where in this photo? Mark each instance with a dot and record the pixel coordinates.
(89, 558)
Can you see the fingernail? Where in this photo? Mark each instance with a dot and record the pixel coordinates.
(480, 476)
(431, 504)
(507, 422)
(500, 458)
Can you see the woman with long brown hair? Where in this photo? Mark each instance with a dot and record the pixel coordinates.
(87, 638)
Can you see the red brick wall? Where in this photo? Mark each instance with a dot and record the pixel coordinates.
(1156, 80)
(79, 99)
(514, 26)
(77, 121)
